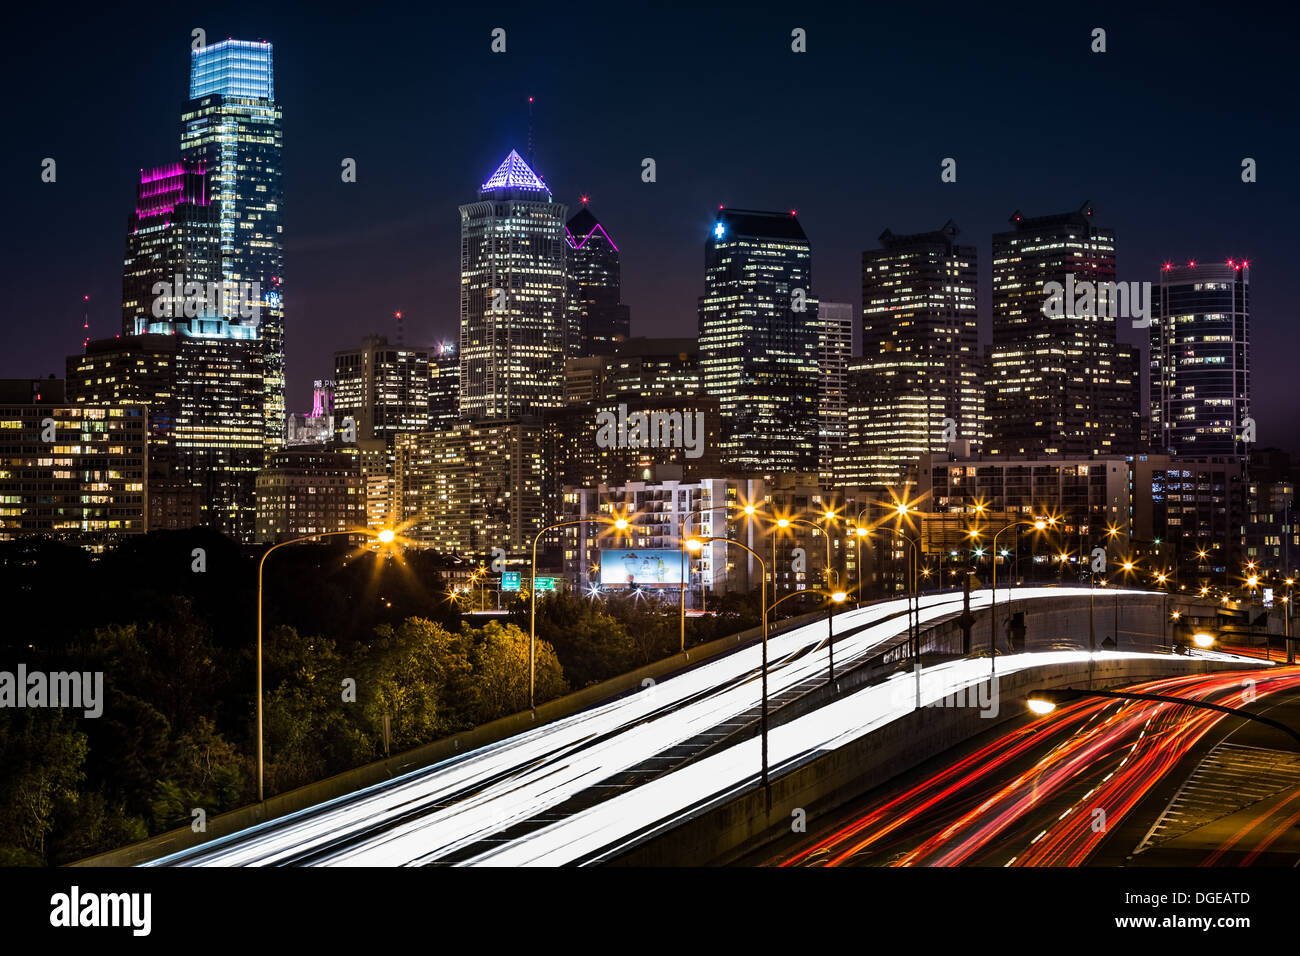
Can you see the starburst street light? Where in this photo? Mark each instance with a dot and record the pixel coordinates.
(385, 536)
(619, 524)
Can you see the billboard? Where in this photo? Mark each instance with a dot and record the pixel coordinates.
(642, 567)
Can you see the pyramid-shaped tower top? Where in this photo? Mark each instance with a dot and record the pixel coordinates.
(514, 173)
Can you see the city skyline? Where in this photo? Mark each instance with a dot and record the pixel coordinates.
(406, 259)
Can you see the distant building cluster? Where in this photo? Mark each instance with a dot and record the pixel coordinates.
(473, 447)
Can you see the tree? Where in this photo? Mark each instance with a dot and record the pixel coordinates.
(500, 662)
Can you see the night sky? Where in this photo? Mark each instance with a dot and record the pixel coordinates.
(850, 133)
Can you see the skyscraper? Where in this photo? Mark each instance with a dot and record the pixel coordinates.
(597, 317)
(444, 386)
(758, 340)
(1058, 383)
(512, 296)
(231, 125)
(174, 236)
(919, 384)
(383, 388)
(834, 350)
(1200, 358)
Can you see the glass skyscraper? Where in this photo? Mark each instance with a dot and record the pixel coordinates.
(759, 340)
(231, 127)
(1200, 358)
(920, 362)
(597, 317)
(512, 296)
(1058, 384)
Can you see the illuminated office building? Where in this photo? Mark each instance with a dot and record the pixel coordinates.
(919, 384)
(1058, 384)
(231, 127)
(834, 352)
(444, 386)
(651, 368)
(201, 382)
(383, 388)
(758, 340)
(1200, 358)
(173, 234)
(512, 297)
(597, 318)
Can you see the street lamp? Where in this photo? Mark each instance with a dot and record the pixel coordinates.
(685, 533)
(1042, 702)
(836, 597)
(385, 536)
(695, 544)
(1038, 524)
(620, 524)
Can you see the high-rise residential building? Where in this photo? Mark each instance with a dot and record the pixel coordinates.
(597, 317)
(382, 388)
(231, 127)
(1200, 358)
(173, 238)
(919, 385)
(834, 350)
(77, 471)
(472, 488)
(1059, 382)
(758, 340)
(512, 296)
(308, 491)
(444, 386)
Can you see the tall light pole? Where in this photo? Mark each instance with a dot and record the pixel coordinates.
(836, 598)
(621, 524)
(384, 536)
(749, 511)
(1038, 524)
(695, 544)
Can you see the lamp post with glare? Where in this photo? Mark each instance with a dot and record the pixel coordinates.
(695, 544)
(1038, 524)
(621, 524)
(685, 534)
(837, 598)
(384, 536)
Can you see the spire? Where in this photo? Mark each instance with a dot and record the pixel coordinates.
(514, 173)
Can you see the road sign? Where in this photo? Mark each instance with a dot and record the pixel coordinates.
(546, 584)
(510, 580)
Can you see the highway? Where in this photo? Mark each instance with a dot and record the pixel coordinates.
(576, 790)
(1052, 791)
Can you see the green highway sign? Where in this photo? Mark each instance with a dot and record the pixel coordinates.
(546, 584)
(510, 580)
